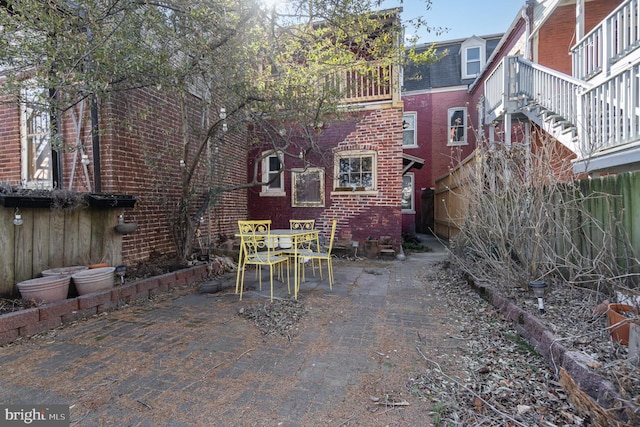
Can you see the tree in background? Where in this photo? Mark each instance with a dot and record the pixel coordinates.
(247, 66)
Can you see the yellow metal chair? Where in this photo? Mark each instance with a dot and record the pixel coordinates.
(302, 224)
(326, 256)
(305, 224)
(257, 249)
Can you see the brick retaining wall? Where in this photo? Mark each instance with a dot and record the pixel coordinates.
(24, 323)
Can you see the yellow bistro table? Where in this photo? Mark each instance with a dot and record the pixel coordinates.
(290, 242)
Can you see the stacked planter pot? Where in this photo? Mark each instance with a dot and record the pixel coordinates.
(64, 270)
(620, 316)
(73, 292)
(45, 289)
(94, 279)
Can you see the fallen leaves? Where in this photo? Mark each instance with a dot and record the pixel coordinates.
(278, 317)
(498, 379)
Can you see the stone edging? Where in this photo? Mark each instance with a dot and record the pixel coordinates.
(24, 323)
(604, 397)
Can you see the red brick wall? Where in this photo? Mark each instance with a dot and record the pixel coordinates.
(423, 106)
(9, 152)
(444, 156)
(596, 11)
(140, 148)
(359, 216)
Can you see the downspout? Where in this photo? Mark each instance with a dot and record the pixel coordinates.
(95, 144)
(56, 158)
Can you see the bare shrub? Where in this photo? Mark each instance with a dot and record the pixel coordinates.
(526, 217)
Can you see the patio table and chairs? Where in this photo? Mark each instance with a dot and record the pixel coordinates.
(261, 245)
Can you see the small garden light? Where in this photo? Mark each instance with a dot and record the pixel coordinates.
(538, 290)
(17, 218)
(120, 271)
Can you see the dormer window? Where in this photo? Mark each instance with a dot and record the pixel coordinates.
(473, 61)
(473, 57)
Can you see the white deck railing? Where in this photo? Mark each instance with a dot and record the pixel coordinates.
(495, 91)
(617, 35)
(520, 81)
(611, 112)
(605, 116)
(374, 82)
(552, 90)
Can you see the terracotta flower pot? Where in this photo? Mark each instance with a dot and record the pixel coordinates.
(99, 265)
(45, 289)
(619, 322)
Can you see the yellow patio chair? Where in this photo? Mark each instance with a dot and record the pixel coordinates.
(326, 256)
(256, 247)
(302, 224)
(305, 224)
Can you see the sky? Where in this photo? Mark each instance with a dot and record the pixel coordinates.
(463, 18)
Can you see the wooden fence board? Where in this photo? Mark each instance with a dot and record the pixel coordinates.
(7, 270)
(71, 238)
(41, 235)
(52, 238)
(23, 242)
(632, 210)
(56, 238)
(100, 233)
(612, 204)
(84, 234)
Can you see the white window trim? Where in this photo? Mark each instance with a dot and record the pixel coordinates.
(471, 43)
(266, 191)
(25, 148)
(465, 141)
(415, 130)
(297, 204)
(413, 193)
(336, 172)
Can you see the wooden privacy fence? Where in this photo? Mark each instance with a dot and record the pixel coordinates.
(51, 238)
(450, 204)
(609, 204)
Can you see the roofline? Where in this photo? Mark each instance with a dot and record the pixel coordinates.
(502, 41)
(456, 41)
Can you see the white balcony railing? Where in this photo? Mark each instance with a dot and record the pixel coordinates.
(611, 112)
(605, 116)
(516, 81)
(373, 82)
(616, 36)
